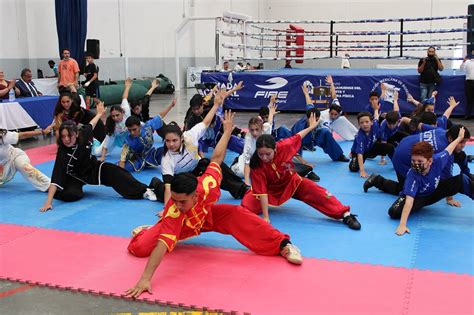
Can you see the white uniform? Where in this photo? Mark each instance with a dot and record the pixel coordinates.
(120, 132)
(341, 125)
(249, 148)
(186, 160)
(13, 159)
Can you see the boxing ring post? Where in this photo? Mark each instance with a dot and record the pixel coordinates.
(176, 44)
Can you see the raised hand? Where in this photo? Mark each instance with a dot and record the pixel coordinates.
(100, 108)
(329, 80)
(452, 102)
(312, 121)
(228, 121)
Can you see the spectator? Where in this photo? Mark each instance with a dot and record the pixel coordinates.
(468, 66)
(239, 67)
(345, 64)
(226, 66)
(91, 73)
(53, 66)
(288, 64)
(6, 86)
(428, 68)
(68, 71)
(26, 86)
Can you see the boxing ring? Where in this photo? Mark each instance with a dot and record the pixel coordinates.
(241, 39)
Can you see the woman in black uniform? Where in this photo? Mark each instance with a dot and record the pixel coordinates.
(75, 167)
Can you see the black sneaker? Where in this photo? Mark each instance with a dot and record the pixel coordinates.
(343, 158)
(313, 176)
(351, 222)
(369, 182)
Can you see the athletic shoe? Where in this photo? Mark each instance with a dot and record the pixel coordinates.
(351, 222)
(292, 254)
(343, 158)
(149, 194)
(369, 182)
(313, 176)
(140, 228)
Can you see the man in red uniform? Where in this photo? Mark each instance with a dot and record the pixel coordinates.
(192, 210)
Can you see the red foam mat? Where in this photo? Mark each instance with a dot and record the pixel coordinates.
(229, 280)
(42, 154)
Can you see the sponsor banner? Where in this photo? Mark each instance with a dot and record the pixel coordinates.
(352, 91)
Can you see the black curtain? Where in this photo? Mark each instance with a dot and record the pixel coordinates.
(71, 24)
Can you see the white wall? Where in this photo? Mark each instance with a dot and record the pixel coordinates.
(143, 30)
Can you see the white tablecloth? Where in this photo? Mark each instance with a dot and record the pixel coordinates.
(13, 116)
(47, 86)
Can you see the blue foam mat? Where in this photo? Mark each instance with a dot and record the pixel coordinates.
(440, 239)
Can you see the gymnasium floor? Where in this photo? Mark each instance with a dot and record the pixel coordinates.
(82, 245)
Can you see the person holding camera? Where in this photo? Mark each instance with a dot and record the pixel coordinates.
(428, 68)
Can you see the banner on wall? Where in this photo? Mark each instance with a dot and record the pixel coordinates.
(352, 90)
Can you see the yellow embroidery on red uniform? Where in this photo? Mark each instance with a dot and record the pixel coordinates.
(172, 212)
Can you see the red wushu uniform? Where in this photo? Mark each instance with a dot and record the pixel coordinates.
(249, 229)
(279, 181)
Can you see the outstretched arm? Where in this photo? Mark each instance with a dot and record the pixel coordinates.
(312, 123)
(218, 101)
(452, 105)
(126, 90)
(402, 227)
(154, 85)
(450, 148)
(307, 97)
(144, 284)
(165, 112)
(221, 147)
(100, 111)
(48, 204)
(332, 89)
(239, 86)
(396, 107)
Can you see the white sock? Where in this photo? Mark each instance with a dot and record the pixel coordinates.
(346, 214)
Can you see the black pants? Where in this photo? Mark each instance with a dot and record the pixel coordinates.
(379, 148)
(302, 169)
(446, 188)
(230, 181)
(388, 185)
(111, 175)
(469, 90)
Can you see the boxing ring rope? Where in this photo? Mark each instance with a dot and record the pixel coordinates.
(247, 36)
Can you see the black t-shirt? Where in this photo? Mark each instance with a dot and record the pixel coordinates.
(430, 72)
(89, 72)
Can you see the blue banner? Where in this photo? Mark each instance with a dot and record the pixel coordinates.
(352, 87)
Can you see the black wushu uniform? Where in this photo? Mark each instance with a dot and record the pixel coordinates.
(76, 166)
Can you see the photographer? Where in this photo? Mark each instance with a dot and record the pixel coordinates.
(428, 69)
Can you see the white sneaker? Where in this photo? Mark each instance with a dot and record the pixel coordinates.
(140, 228)
(292, 254)
(150, 195)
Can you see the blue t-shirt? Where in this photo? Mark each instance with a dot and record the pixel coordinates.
(418, 185)
(442, 122)
(385, 107)
(402, 157)
(385, 132)
(364, 142)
